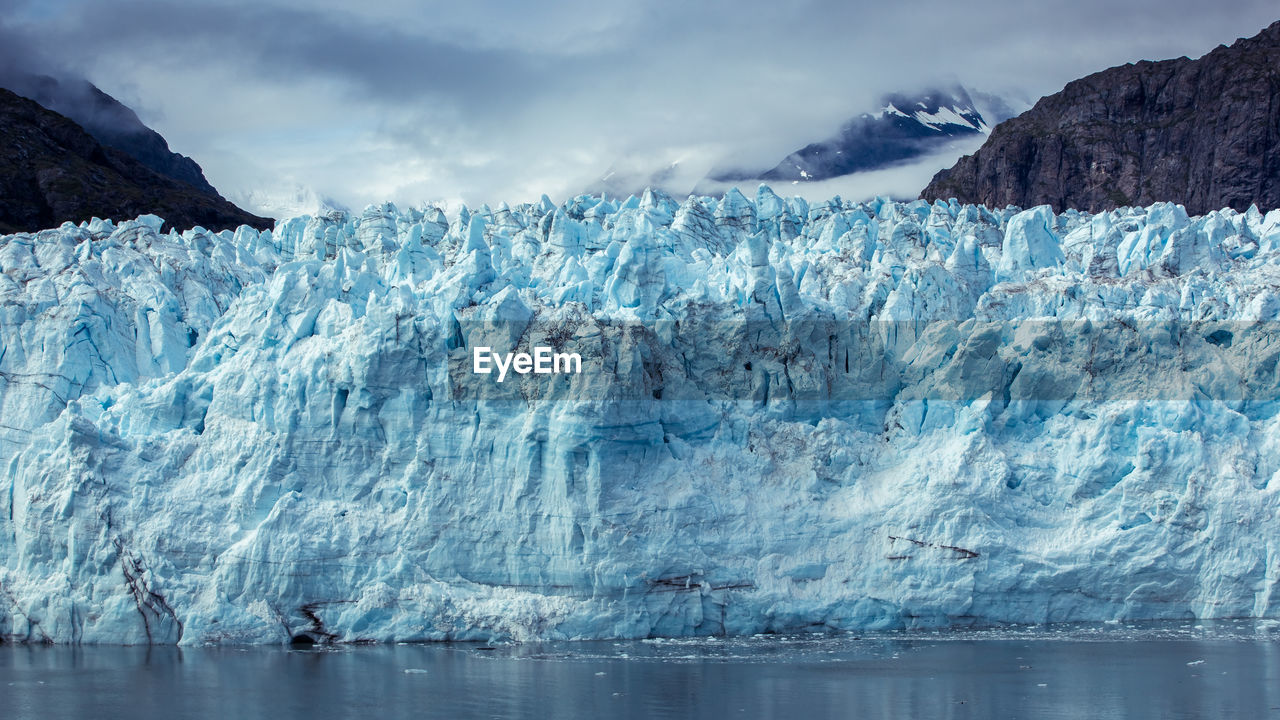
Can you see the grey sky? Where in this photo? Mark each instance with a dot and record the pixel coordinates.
(415, 101)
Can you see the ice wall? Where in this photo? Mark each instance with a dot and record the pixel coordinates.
(845, 415)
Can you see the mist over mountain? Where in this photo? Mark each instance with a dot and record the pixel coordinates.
(54, 171)
(72, 151)
(288, 201)
(631, 177)
(906, 127)
(109, 121)
(910, 132)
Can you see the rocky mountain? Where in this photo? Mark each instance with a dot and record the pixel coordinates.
(905, 128)
(110, 122)
(53, 170)
(1204, 133)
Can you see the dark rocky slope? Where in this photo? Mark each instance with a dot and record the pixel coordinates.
(110, 122)
(52, 170)
(1204, 133)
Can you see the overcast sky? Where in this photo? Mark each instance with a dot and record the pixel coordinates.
(489, 101)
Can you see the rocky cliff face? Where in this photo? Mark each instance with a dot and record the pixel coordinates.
(52, 171)
(110, 122)
(1204, 133)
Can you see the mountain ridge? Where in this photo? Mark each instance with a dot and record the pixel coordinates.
(110, 122)
(907, 127)
(1204, 133)
(55, 171)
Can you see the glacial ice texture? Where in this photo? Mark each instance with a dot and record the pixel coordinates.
(790, 417)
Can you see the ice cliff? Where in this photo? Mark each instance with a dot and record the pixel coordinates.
(844, 415)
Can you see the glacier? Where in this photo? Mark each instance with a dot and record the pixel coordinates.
(791, 416)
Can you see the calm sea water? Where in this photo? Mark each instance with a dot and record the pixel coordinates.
(1229, 670)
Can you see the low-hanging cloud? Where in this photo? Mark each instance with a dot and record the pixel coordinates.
(490, 101)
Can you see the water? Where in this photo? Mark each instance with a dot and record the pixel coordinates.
(1227, 670)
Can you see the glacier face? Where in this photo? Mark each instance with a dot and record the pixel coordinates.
(844, 415)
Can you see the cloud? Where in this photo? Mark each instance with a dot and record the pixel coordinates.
(487, 101)
(898, 182)
(21, 53)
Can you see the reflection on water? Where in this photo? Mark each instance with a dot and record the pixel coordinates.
(1149, 671)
